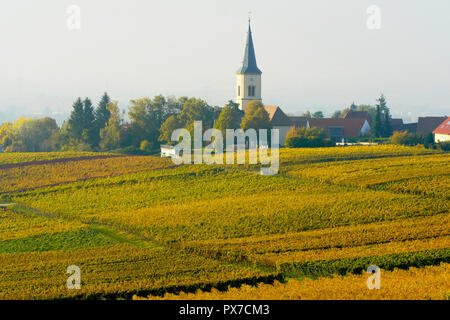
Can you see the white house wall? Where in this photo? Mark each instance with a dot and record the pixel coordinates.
(283, 133)
(439, 137)
(365, 128)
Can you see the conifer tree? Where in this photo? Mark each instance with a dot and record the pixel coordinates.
(102, 113)
(76, 120)
(89, 130)
(387, 128)
(377, 127)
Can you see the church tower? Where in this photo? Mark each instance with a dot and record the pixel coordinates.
(248, 77)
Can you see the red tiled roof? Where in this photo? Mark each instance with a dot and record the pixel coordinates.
(351, 127)
(444, 127)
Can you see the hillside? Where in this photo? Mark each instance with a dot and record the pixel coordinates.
(140, 226)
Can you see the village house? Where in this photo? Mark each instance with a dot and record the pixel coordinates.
(397, 124)
(279, 120)
(168, 151)
(339, 129)
(424, 125)
(352, 114)
(442, 132)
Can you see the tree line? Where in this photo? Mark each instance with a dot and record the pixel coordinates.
(151, 122)
(103, 127)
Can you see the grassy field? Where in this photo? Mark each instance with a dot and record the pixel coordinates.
(139, 226)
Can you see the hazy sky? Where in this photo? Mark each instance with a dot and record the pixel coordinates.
(316, 54)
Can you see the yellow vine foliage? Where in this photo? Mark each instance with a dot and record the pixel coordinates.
(432, 282)
(10, 158)
(364, 173)
(14, 225)
(113, 269)
(268, 249)
(34, 176)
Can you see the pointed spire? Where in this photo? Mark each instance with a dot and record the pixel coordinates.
(249, 63)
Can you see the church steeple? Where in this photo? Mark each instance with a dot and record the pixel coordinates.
(248, 77)
(249, 63)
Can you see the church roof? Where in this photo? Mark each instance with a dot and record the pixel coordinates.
(249, 64)
(277, 117)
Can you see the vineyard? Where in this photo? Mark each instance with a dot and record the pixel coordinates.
(142, 227)
(413, 284)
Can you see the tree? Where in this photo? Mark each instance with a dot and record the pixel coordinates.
(377, 128)
(404, 138)
(110, 134)
(60, 139)
(146, 146)
(6, 135)
(102, 113)
(28, 135)
(307, 138)
(385, 118)
(336, 114)
(307, 114)
(387, 128)
(171, 124)
(148, 115)
(90, 133)
(234, 106)
(318, 114)
(229, 118)
(444, 145)
(197, 110)
(256, 117)
(428, 140)
(76, 120)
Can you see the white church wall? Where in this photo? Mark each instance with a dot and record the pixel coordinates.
(242, 82)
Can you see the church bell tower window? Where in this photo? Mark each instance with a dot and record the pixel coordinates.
(251, 91)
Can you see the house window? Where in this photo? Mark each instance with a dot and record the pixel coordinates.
(251, 91)
(239, 91)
